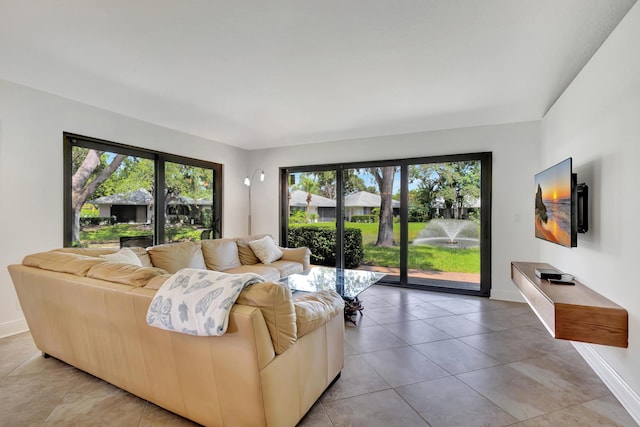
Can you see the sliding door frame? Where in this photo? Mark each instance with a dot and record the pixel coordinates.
(485, 159)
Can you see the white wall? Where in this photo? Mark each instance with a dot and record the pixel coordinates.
(31, 218)
(597, 122)
(516, 156)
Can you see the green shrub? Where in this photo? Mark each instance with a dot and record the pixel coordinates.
(298, 217)
(322, 243)
(97, 220)
(365, 218)
(418, 213)
(353, 247)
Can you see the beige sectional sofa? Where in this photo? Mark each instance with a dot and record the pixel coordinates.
(276, 358)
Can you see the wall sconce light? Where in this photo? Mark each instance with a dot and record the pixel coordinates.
(247, 182)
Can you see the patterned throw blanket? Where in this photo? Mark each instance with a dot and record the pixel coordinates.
(197, 302)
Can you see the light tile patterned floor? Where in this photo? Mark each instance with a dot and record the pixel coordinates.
(415, 359)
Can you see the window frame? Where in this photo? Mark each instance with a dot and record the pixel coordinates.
(159, 158)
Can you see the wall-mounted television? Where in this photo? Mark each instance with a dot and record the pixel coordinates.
(556, 205)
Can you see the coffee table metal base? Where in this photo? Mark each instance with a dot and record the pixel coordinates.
(352, 306)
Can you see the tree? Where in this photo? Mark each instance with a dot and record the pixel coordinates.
(183, 180)
(326, 182)
(351, 181)
(427, 179)
(456, 183)
(384, 178)
(459, 184)
(133, 174)
(309, 185)
(92, 171)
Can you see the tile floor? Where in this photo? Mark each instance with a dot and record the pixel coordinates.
(415, 359)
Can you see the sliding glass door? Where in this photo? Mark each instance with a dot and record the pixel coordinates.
(424, 222)
(445, 220)
(372, 205)
(309, 212)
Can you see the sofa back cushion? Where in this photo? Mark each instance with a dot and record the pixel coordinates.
(275, 303)
(62, 262)
(93, 252)
(175, 256)
(220, 254)
(97, 252)
(245, 253)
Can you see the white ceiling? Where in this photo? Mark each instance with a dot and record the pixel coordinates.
(257, 74)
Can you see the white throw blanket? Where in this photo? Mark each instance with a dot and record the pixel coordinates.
(197, 302)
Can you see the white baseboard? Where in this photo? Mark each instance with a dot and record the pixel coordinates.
(12, 328)
(507, 295)
(618, 386)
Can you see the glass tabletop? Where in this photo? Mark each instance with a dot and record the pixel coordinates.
(348, 283)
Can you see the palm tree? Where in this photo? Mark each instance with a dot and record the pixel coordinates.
(309, 185)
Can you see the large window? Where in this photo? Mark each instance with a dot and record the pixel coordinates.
(115, 192)
(424, 222)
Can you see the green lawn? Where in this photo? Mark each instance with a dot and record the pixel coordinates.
(421, 257)
(425, 257)
(112, 233)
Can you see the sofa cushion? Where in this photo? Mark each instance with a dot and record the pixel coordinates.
(315, 309)
(268, 272)
(245, 253)
(266, 249)
(220, 254)
(287, 268)
(175, 256)
(92, 252)
(63, 262)
(275, 303)
(127, 274)
(155, 282)
(123, 256)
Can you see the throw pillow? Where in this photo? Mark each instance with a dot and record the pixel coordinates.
(245, 253)
(123, 256)
(266, 250)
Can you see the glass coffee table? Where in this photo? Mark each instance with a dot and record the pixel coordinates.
(347, 283)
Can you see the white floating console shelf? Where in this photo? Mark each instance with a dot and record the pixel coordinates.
(574, 313)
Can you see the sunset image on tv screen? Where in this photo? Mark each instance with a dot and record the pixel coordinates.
(553, 204)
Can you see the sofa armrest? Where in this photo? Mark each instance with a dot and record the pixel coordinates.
(275, 302)
(314, 309)
(301, 255)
